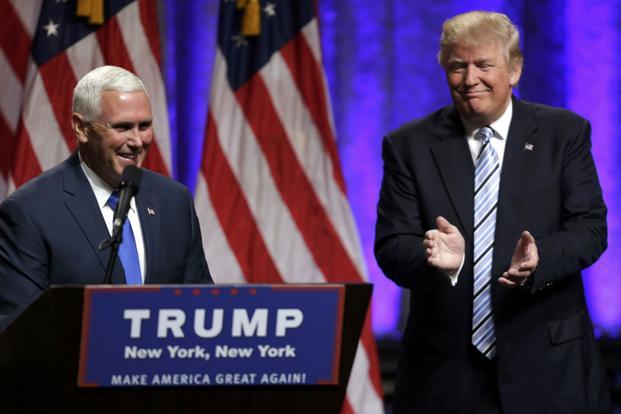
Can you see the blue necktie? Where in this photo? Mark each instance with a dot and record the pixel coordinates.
(128, 253)
(486, 185)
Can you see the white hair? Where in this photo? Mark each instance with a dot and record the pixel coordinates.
(87, 93)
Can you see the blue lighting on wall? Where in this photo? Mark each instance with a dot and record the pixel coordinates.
(592, 63)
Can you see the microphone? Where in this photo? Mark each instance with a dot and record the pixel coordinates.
(130, 184)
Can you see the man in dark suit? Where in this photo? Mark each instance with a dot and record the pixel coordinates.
(489, 210)
(51, 227)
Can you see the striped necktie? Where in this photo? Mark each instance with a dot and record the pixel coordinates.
(128, 253)
(486, 184)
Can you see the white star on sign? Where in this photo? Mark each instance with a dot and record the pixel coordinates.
(269, 9)
(51, 28)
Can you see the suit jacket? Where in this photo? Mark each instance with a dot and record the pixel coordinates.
(547, 358)
(51, 227)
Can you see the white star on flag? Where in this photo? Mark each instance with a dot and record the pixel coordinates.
(51, 28)
(269, 9)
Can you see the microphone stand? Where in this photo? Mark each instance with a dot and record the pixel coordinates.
(113, 242)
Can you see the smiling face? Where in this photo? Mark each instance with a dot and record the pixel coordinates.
(119, 136)
(481, 81)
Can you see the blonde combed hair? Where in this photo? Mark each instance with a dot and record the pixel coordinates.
(477, 28)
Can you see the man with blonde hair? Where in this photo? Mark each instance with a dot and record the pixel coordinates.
(489, 210)
(51, 227)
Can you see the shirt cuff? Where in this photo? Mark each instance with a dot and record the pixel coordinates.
(454, 276)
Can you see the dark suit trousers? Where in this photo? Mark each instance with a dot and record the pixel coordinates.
(478, 386)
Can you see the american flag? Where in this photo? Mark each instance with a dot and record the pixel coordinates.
(270, 195)
(45, 48)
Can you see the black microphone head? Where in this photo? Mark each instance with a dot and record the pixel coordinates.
(132, 177)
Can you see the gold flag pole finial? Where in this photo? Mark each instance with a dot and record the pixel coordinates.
(251, 20)
(93, 9)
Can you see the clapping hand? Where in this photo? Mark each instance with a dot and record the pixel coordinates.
(523, 263)
(444, 246)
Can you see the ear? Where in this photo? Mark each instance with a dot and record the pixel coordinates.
(515, 73)
(80, 127)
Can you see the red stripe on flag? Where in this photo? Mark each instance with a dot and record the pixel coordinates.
(148, 17)
(14, 40)
(234, 214)
(6, 146)
(346, 409)
(307, 75)
(25, 163)
(59, 81)
(368, 341)
(293, 185)
(154, 160)
(113, 46)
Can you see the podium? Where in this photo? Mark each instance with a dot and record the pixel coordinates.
(40, 353)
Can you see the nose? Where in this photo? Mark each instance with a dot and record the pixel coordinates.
(471, 77)
(135, 138)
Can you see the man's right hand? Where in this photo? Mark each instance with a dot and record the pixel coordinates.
(444, 246)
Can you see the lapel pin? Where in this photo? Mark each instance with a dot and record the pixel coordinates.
(150, 211)
(528, 146)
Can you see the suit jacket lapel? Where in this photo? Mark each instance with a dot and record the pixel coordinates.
(521, 142)
(454, 163)
(82, 205)
(148, 211)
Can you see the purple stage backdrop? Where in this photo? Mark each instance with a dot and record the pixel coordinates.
(380, 59)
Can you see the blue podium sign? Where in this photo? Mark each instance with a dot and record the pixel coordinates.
(225, 335)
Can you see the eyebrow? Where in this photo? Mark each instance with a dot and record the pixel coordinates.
(125, 124)
(480, 60)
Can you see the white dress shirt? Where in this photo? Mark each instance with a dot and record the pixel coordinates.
(498, 141)
(102, 193)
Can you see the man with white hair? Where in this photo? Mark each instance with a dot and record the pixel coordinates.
(489, 210)
(51, 227)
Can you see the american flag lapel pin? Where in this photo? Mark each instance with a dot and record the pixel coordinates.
(528, 146)
(150, 211)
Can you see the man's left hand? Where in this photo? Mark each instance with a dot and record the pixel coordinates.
(523, 263)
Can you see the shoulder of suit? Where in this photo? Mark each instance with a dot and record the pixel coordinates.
(40, 187)
(546, 114)
(158, 182)
(422, 127)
